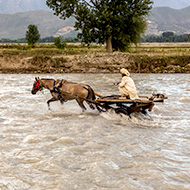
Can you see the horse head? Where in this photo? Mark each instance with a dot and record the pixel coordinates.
(37, 86)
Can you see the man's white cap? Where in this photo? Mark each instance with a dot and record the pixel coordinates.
(125, 72)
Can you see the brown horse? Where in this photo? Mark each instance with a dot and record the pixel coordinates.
(63, 90)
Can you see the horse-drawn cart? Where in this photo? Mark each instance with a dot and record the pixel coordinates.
(62, 90)
(128, 106)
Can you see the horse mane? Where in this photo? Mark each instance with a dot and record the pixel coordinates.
(55, 79)
(47, 79)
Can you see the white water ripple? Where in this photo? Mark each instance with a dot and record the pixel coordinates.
(64, 148)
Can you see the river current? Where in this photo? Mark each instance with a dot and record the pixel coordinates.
(65, 149)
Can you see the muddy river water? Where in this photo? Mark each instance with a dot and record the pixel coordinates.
(65, 149)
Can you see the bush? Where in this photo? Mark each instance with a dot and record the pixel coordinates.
(59, 44)
(40, 60)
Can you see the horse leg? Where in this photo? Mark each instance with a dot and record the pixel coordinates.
(51, 100)
(96, 106)
(90, 105)
(61, 99)
(58, 96)
(80, 102)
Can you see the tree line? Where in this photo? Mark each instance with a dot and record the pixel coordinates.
(148, 38)
(50, 39)
(166, 37)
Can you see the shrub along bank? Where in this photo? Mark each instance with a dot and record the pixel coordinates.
(94, 59)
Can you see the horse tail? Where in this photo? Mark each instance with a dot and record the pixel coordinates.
(91, 96)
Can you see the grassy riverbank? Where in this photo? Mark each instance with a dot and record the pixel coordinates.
(45, 58)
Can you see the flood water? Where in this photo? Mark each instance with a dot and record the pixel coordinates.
(65, 149)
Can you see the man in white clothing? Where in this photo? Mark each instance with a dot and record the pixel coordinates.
(127, 86)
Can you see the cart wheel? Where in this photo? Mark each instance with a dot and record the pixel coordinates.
(121, 110)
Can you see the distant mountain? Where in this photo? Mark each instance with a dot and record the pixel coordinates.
(167, 19)
(161, 19)
(14, 26)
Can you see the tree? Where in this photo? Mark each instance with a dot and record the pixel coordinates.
(167, 34)
(59, 44)
(116, 22)
(32, 35)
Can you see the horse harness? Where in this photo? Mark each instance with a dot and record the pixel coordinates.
(56, 89)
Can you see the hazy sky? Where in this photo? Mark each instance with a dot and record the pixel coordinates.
(176, 4)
